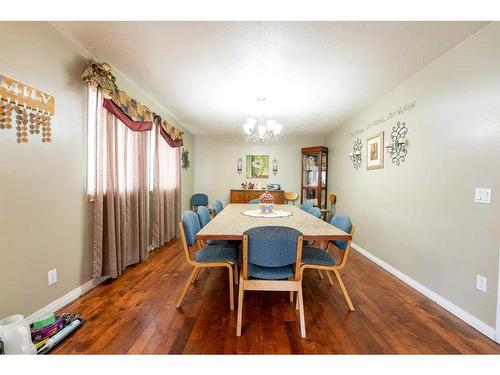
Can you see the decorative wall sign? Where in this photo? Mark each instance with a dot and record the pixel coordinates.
(26, 96)
(398, 148)
(374, 151)
(185, 159)
(355, 155)
(32, 109)
(257, 166)
(381, 120)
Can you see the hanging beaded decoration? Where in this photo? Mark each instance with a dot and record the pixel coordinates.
(28, 121)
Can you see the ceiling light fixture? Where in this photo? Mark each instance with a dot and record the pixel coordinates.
(261, 130)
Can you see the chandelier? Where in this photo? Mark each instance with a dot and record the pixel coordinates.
(261, 130)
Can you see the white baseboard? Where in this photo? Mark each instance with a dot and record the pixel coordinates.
(66, 299)
(443, 302)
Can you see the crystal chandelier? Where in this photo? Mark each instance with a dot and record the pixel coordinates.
(261, 130)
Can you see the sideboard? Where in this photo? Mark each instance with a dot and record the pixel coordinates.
(244, 196)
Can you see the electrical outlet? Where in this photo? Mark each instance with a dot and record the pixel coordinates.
(482, 195)
(53, 276)
(481, 283)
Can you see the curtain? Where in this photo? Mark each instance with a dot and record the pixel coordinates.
(166, 194)
(120, 194)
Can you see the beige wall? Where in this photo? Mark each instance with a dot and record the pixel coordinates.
(420, 217)
(216, 156)
(45, 216)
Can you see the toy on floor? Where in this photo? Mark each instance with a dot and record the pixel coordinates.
(50, 330)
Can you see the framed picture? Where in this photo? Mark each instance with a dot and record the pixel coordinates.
(375, 151)
(257, 166)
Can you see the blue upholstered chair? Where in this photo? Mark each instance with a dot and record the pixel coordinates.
(197, 200)
(315, 211)
(218, 207)
(207, 256)
(254, 201)
(323, 260)
(271, 261)
(306, 206)
(204, 217)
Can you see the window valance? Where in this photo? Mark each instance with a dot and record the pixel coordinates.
(133, 114)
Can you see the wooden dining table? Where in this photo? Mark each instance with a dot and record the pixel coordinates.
(230, 224)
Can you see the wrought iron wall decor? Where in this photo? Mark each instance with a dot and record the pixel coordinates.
(185, 159)
(31, 108)
(239, 165)
(399, 146)
(355, 155)
(275, 167)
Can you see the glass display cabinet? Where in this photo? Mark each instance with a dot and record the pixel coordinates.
(315, 176)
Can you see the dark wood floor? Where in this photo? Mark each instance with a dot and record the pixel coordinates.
(136, 314)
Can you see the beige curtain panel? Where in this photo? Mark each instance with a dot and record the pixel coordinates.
(166, 195)
(120, 200)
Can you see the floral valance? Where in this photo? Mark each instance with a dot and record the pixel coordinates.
(170, 133)
(133, 114)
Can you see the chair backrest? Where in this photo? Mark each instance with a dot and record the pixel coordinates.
(332, 198)
(254, 201)
(291, 196)
(272, 246)
(203, 215)
(199, 199)
(191, 226)
(306, 206)
(218, 207)
(343, 222)
(315, 211)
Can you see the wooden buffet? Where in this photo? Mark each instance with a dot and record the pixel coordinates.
(244, 196)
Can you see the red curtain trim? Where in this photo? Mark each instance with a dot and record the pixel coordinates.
(169, 140)
(137, 126)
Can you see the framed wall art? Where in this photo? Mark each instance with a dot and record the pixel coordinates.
(257, 166)
(375, 151)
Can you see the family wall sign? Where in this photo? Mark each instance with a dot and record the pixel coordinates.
(31, 109)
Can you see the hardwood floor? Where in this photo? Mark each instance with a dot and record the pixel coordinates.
(136, 314)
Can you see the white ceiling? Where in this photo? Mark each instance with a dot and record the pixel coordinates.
(313, 74)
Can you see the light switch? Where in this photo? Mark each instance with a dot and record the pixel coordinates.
(482, 195)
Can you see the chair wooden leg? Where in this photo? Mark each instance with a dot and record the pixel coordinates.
(236, 274)
(291, 296)
(186, 287)
(329, 277)
(240, 307)
(196, 275)
(300, 299)
(320, 273)
(231, 291)
(344, 290)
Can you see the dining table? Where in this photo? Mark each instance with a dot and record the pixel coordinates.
(231, 223)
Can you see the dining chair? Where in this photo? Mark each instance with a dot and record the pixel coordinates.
(315, 211)
(206, 256)
(204, 218)
(271, 261)
(306, 206)
(290, 196)
(198, 199)
(218, 207)
(254, 201)
(332, 198)
(323, 260)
